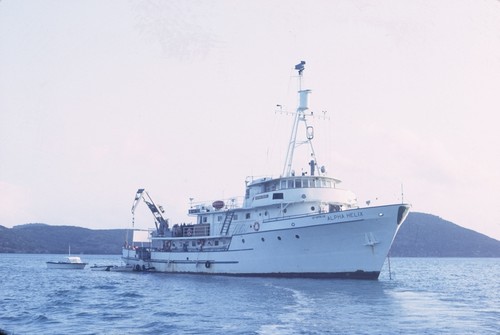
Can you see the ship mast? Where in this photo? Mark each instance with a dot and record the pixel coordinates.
(300, 116)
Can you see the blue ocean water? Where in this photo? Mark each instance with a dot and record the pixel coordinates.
(423, 296)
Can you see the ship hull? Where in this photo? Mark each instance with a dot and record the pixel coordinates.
(348, 244)
(66, 266)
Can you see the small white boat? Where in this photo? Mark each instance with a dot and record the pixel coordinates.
(70, 263)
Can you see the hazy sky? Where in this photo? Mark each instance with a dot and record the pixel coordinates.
(100, 98)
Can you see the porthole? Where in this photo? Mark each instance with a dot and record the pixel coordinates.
(243, 240)
(313, 208)
(262, 239)
(279, 238)
(297, 236)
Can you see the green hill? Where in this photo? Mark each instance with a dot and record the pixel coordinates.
(426, 235)
(42, 238)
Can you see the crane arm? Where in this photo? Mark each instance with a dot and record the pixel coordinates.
(160, 222)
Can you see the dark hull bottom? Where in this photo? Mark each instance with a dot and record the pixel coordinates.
(316, 275)
(312, 275)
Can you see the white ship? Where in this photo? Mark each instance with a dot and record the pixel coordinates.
(290, 226)
(69, 263)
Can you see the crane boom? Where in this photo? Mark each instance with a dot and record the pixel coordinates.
(160, 222)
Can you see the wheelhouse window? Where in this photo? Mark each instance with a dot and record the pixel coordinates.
(305, 182)
(269, 187)
(283, 184)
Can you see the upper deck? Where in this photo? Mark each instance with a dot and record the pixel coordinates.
(264, 191)
(275, 191)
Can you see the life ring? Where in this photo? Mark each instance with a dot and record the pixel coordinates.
(190, 232)
(207, 264)
(256, 226)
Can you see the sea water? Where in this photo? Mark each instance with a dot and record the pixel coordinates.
(418, 296)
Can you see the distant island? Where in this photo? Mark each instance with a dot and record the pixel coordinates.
(426, 235)
(422, 235)
(39, 238)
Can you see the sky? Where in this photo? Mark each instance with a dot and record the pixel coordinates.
(100, 98)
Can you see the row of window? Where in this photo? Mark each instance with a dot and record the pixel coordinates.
(263, 239)
(299, 183)
(220, 218)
